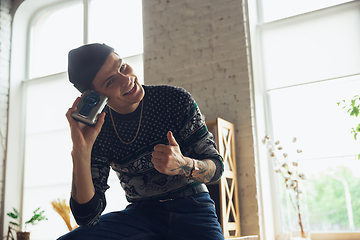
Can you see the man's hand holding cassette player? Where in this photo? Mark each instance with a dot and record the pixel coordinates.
(154, 137)
(83, 137)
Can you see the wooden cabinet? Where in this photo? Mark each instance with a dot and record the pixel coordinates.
(225, 191)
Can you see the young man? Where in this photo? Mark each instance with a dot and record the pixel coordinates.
(155, 139)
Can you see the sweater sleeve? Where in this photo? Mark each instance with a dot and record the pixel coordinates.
(197, 141)
(89, 213)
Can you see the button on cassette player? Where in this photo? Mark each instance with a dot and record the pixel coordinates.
(89, 107)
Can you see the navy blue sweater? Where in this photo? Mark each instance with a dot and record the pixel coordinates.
(166, 108)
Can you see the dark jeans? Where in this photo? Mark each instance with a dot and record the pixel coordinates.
(188, 218)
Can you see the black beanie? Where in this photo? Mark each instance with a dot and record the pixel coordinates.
(85, 62)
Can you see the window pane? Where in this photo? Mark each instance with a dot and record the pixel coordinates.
(333, 194)
(48, 164)
(309, 49)
(323, 130)
(47, 102)
(119, 26)
(53, 35)
(277, 9)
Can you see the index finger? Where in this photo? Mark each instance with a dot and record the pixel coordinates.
(76, 102)
(160, 147)
(72, 109)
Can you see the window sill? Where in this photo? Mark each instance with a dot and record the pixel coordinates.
(335, 235)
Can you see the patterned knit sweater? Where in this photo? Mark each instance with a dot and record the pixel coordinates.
(165, 108)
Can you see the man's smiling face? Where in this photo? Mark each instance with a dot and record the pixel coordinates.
(118, 81)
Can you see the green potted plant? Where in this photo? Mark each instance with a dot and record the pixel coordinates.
(17, 224)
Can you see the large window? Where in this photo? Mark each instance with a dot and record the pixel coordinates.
(48, 94)
(310, 61)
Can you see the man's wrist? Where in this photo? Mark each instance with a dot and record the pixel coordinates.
(194, 170)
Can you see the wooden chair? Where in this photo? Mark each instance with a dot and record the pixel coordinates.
(225, 192)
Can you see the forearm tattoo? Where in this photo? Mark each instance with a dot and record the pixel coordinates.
(183, 169)
(74, 189)
(206, 171)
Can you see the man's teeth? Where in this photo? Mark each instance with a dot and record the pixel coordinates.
(131, 89)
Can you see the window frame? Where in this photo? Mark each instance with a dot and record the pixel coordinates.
(270, 212)
(25, 16)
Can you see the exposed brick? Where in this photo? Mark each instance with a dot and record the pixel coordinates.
(5, 36)
(202, 46)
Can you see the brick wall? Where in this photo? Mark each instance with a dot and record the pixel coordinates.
(202, 46)
(5, 35)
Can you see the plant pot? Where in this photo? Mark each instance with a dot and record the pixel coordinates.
(23, 235)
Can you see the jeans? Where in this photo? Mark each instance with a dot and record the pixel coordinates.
(188, 218)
